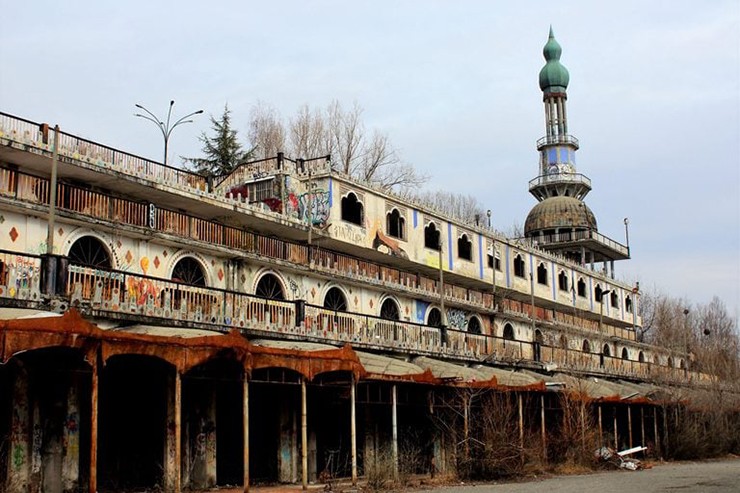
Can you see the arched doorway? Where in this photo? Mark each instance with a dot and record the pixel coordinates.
(389, 310)
(90, 252)
(270, 287)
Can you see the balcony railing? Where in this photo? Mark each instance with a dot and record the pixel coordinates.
(560, 178)
(123, 295)
(568, 236)
(73, 147)
(556, 139)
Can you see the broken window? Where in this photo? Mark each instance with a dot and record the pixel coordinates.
(563, 281)
(474, 326)
(335, 300)
(389, 310)
(188, 270)
(431, 237)
(509, 332)
(395, 224)
(464, 248)
(518, 266)
(270, 287)
(352, 210)
(614, 299)
(581, 287)
(542, 274)
(90, 252)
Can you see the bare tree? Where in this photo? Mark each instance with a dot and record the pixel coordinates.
(366, 156)
(465, 208)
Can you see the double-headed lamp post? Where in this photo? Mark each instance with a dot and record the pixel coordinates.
(165, 127)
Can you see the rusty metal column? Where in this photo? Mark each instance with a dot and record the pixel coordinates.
(353, 428)
(93, 485)
(601, 438)
(394, 433)
(521, 421)
(655, 431)
(616, 431)
(542, 426)
(629, 423)
(642, 425)
(304, 436)
(245, 425)
(178, 428)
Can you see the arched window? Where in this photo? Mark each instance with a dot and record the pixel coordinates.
(352, 210)
(474, 326)
(270, 287)
(335, 300)
(614, 299)
(187, 270)
(598, 296)
(538, 341)
(389, 310)
(434, 318)
(431, 237)
(563, 281)
(542, 274)
(518, 266)
(581, 287)
(681, 364)
(641, 357)
(395, 224)
(606, 351)
(509, 332)
(670, 361)
(464, 248)
(563, 341)
(90, 251)
(586, 346)
(625, 353)
(628, 304)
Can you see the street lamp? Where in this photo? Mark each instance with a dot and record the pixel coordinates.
(165, 127)
(627, 231)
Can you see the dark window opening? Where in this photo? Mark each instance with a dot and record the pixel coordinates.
(606, 351)
(614, 299)
(563, 281)
(586, 348)
(641, 357)
(563, 341)
(270, 287)
(625, 353)
(581, 288)
(395, 224)
(491, 264)
(598, 296)
(628, 304)
(90, 252)
(389, 310)
(464, 248)
(352, 210)
(431, 237)
(538, 341)
(189, 271)
(509, 332)
(542, 274)
(434, 319)
(335, 300)
(518, 266)
(670, 362)
(474, 326)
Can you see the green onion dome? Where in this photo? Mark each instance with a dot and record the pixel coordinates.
(554, 76)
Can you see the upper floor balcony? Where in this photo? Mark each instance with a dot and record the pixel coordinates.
(598, 242)
(557, 139)
(558, 178)
(110, 295)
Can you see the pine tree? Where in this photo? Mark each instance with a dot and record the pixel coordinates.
(223, 152)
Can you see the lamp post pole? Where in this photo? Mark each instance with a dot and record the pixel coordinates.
(166, 127)
(601, 309)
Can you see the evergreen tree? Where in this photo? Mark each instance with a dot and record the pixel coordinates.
(223, 152)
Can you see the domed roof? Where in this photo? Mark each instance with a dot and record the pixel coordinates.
(559, 212)
(554, 76)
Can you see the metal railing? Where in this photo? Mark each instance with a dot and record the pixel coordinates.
(560, 178)
(556, 139)
(568, 236)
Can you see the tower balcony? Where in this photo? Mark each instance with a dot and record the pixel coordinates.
(557, 139)
(558, 178)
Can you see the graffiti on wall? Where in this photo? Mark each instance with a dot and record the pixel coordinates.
(421, 310)
(314, 206)
(456, 319)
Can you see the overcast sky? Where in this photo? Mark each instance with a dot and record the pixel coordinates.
(654, 98)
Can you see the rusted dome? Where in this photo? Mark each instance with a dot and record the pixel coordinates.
(559, 212)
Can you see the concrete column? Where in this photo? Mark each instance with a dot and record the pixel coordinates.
(543, 430)
(656, 437)
(304, 436)
(287, 447)
(172, 457)
(36, 442)
(245, 424)
(601, 429)
(642, 426)
(521, 421)
(93, 484)
(394, 430)
(71, 439)
(17, 480)
(616, 431)
(353, 430)
(203, 469)
(629, 423)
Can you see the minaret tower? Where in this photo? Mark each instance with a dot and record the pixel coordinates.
(561, 222)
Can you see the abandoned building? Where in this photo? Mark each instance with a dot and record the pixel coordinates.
(158, 328)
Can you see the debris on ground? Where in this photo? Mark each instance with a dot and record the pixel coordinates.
(620, 460)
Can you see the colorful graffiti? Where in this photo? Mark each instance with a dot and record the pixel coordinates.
(456, 318)
(141, 289)
(314, 206)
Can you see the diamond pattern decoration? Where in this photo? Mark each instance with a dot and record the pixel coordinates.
(13, 234)
(213, 263)
(2, 219)
(313, 292)
(356, 301)
(164, 253)
(129, 256)
(156, 262)
(371, 303)
(119, 244)
(243, 278)
(220, 274)
(60, 231)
